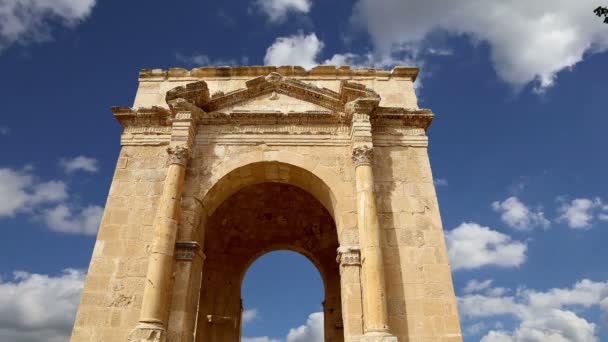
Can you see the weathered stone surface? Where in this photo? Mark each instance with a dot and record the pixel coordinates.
(261, 158)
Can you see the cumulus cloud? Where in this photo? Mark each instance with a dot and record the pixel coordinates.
(580, 212)
(312, 331)
(20, 191)
(23, 21)
(80, 163)
(305, 50)
(298, 49)
(475, 285)
(38, 307)
(518, 216)
(249, 315)
(66, 220)
(259, 339)
(541, 315)
(471, 245)
(277, 10)
(529, 41)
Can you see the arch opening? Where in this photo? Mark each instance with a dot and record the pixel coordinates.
(283, 296)
(255, 220)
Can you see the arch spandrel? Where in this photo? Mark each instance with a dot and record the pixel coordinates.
(257, 166)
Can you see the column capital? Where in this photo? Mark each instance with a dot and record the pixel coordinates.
(349, 256)
(363, 155)
(178, 155)
(188, 250)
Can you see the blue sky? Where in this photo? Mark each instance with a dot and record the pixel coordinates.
(517, 146)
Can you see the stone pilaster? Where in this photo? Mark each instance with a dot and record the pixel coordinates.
(349, 258)
(189, 259)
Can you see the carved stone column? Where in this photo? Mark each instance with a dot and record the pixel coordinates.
(152, 321)
(375, 314)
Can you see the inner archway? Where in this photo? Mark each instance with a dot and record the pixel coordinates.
(255, 220)
(283, 297)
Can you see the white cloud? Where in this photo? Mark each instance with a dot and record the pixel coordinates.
(440, 182)
(4, 130)
(517, 215)
(63, 219)
(542, 316)
(298, 49)
(259, 339)
(20, 191)
(312, 331)
(579, 213)
(249, 315)
(475, 285)
(38, 307)
(277, 10)
(23, 21)
(79, 163)
(529, 41)
(471, 245)
(474, 328)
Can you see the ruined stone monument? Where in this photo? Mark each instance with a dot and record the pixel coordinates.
(220, 165)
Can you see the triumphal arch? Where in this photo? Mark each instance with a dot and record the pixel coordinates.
(220, 165)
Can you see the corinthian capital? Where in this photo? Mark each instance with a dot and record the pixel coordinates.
(178, 155)
(363, 155)
(349, 256)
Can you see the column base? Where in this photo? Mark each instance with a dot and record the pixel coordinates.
(148, 332)
(378, 337)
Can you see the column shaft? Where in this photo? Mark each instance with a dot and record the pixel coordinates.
(161, 258)
(375, 317)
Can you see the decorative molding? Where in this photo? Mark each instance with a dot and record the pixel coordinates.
(142, 117)
(404, 117)
(178, 155)
(274, 84)
(363, 155)
(349, 256)
(297, 71)
(187, 250)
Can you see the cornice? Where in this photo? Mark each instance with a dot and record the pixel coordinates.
(142, 117)
(396, 116)
(291, 71)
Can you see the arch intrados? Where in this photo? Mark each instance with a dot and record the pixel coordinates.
(268, 172)
(285, 247)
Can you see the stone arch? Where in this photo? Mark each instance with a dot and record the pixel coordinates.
(303, 171)
(260, 215)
